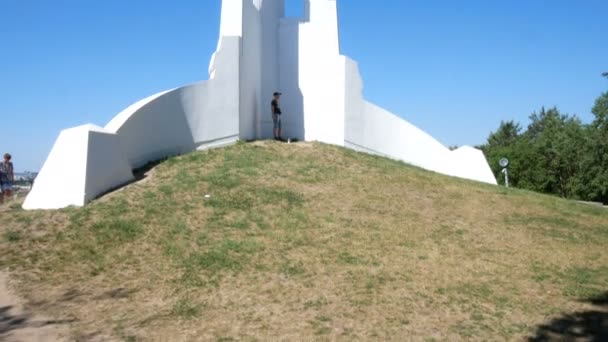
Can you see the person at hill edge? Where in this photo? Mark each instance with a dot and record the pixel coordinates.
(7, 177)
(276, 115)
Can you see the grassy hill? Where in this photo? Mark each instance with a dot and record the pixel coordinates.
(265, 240)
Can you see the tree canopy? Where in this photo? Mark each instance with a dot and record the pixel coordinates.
(556, 153)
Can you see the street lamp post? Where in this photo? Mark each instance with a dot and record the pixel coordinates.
(504, 163)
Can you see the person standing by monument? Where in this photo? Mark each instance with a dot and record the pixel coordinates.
(7, 177)
(276, 115)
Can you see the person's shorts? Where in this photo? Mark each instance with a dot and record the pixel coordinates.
(276, 119)
(6, 186)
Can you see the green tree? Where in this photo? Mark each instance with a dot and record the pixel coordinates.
(545, 158)
(556, 154)
(506, 135)
(505, 143)
(593, 181)
(556, 142)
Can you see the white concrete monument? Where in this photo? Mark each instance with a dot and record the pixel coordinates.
(259, 52)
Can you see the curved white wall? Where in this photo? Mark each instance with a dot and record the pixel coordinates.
(87, 161)
(158, 129)
(336, 112)
(183, 119)
(372, 129)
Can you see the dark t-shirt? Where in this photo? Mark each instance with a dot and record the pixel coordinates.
(6, 172)
(275, 107)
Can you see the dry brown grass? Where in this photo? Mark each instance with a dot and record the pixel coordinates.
(307, 242)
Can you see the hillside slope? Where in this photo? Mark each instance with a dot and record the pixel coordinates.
(308, 241)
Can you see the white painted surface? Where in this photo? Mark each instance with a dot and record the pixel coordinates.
(251, 69)
(183, 119)
(471, 163)
(231, 20)
(322, 77)
(372, 129)
(85, 162)
(270, 14)
(292, 103)
(107, 166)
(259, 52)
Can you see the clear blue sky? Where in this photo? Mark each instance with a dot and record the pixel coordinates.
(453, 68)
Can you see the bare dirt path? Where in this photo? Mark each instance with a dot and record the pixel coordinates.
(19, 325)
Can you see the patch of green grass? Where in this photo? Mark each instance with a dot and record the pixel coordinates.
(545, 221)
(466, 329)
(259, 220)
(91, 254)
(115, 230)
(510, 330)
(78, 216)
(275, 196)
(116, 208)
(241, 224)
(543, 273)
(223, 179)
(24, 219)
(230, 201)
(292, 269)
(226, 339)
(374, 282)
(322, 318)
(585, 282)
(173, 249)
(556, 227)
(316, 304)
(151, 203)
(185, 181)
(202, 239)
(217, 259)
(349, 259)
(192, 158)
(180, 229)
(321, 325)
(469, 295)
(476, 290)
(477, 316)
(186, 309)
(307, 171)
(447, 232)
(292, 220)
(12, 236)
(16, 207)
(227, 255)
(166, 189)
(576, 282)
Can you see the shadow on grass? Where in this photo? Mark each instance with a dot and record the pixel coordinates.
(139, 174)
(590, 325)
(11, 322)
